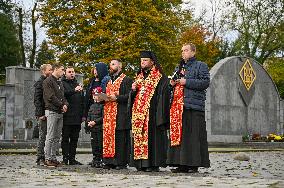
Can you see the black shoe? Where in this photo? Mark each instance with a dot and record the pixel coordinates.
(40, 161)
(120, 167)
(148, 169)
(156, 169)
(180, 170)
(108, 166)
(140, 169)
(74, 162)
(97, 164)
(193, 170)
(65, 162)
(37, 161)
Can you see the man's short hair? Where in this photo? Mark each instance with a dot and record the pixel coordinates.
(56, 66)
(118, 60)
(43, 67)
(192, 46)
(69, 67)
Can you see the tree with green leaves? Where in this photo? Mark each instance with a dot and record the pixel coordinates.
(259, 26)
(207, 48)
(44, 55)
(9, 43)
(84, 32)
(275, 67)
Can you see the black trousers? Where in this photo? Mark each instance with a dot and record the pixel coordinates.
(70, 135)
(122, 149)
(97, 143)
(193, 150)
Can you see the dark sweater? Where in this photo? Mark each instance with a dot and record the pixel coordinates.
(38, 97)
(53, 94)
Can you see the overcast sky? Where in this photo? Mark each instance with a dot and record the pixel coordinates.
(198, 5)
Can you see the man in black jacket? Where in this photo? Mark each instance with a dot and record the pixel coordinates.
(55, 105)
(73, 93)
(46, 70)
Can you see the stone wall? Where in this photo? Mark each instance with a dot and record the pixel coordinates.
(7, 99)
(281, 124)
(17, 108)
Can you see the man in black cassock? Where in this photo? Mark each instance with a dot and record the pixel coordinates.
(150, 115)
(188, 137)
(118, 89)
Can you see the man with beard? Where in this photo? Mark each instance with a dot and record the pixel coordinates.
(73, 93)
(95, 108)
(150, 115)
(188, 137)
(46, 71)
(116, 127)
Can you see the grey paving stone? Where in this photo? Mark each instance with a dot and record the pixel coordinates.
(265, 169)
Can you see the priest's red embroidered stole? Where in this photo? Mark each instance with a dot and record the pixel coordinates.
(176, 116)
(140, 111)
(109, 121)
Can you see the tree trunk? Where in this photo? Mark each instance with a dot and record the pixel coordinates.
(34, 19)
(20, 10)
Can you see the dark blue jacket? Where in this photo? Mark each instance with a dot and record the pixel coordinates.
(197, 81)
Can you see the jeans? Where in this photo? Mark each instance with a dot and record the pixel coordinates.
(41, 139)
(54, 130)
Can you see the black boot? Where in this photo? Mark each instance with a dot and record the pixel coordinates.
(65, 160)
(40, 161)
(180, 169)
(193, 169)
(74, 162)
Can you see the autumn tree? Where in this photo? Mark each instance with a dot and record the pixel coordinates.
(207, 47)
(84, 32)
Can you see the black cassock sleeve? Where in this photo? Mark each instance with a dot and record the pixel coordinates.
(163, 103)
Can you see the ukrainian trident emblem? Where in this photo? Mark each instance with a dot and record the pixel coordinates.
(247, 74)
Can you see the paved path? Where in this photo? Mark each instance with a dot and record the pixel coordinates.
(265, 169)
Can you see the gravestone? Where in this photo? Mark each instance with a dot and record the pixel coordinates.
(242, 99)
